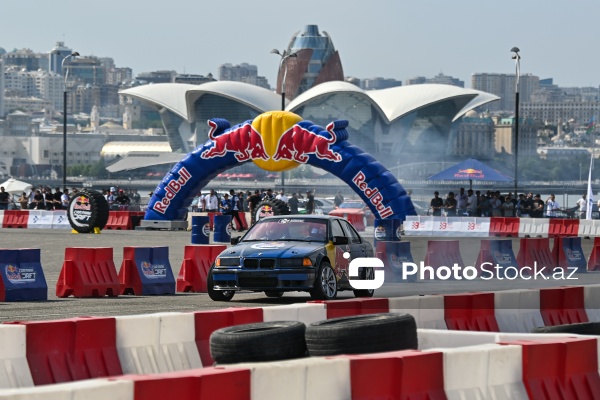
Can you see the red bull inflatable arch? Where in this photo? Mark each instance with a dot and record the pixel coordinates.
(279, 141)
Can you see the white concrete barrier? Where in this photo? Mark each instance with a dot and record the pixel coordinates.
(428, 311)
(60, 220)
(586, 228)
(418, 226)
(438, 338)
(591, 295)
(305, 313)
(39, 219)
(177, 341)
(95, 389)
(14, 369)
(507, 310)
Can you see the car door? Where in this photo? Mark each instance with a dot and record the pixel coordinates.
(341, 263)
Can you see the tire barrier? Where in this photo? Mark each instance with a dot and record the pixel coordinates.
(568, 253)
(146, 271)
(470, 312)
(258, 342)
(223, 229)
(197, 261)
(21, 275)
(393, 255)
(582, 328)
(88, 212)
(494, 252)
(535, 252)
(88, 272)
(564, 305)
(442, 253)
(377, 332)
(200, 229)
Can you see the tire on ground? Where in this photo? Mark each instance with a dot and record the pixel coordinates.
(584, 328)
(263, 341)
(87, 211)
(361, 334)
(269, 208)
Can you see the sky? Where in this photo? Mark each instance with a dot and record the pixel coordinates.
(397, 39)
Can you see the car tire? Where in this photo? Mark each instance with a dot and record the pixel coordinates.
(263, 341)
(274, 293)
(584, 328)
(325, 286)
(367, 273)
(362, 334)
(276, 207)
(217, 295)
(97, 209)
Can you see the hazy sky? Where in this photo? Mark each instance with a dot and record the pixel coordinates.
(378, 38)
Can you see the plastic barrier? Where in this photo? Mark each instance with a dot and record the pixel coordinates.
(387, 230)
(301, 379)
(349, 307)
(38, 219)
(418, 226)
(563, 227)
(357, 220)
(162, 342)
(594, 260)
(2, 217)
(534, 227)
(206, 322)
(197, 261)
(438, 338)
(428, 311)
(591, 299)
(564, 305)
(561, 369)
(96, 389)
(443, 226)
(470, 312)
(60, 220)
(504, 226)
(119, 220)
(397, 375)
(393, 255)
(494, 252)
(146, 271)
(206, 383)
(22, 276)
(14, 369)
(568, 253)
(305, 313)
(223, 228)
(15, 218)
(585, 228)
(71, 349)
(200, 229)
(442, 253)
(518, 310)
(535, 253)
(88, 272)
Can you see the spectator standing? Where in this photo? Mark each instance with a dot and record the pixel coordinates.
(310, 202)
(211, 201)
(122, 200)
(496, 205)
(57, 199)
(436, 204)
(234, 209)
(462, 200)
(253, 201)
(135, 197)
(49, 199)
(508, 207)
(23, 201)
(4, 199)
(450, 205)
(39, 200)
(293, 203)
(65, 199)
(471, 203)
(537, 210)
(111, 197)
(582, 203)
(552, 206)
(338, 199)
(282, 197)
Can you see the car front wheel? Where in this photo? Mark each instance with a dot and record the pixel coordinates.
(367, 274)
(217, 295)
(325, 286)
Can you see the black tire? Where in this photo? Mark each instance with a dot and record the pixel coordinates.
(269, 208)
(325, 286)
(274, 293)
(87, 211)
(584, 328)
(217, 295)
(366, 273)
(361, 334)
(263, 341)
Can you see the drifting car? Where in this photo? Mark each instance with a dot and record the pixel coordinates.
(291, 253)
(355, 207)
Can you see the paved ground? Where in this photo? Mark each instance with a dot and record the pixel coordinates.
(53, 243)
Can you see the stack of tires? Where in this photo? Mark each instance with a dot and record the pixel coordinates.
(284, 340)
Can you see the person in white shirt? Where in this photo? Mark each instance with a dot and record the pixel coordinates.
(461, 202)
(582, 203)
(65, 199)
(472, 203)
(282, 197)
(211, 202)
(551, 206)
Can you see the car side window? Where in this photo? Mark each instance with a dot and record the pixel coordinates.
(336, 228)
(351, 232)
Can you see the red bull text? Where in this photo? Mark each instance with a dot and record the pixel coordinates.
(375, 197)
(171, 190)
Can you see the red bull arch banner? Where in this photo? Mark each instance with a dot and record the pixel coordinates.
(279, 141)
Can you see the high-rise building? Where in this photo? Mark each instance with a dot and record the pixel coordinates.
(157, 77)
(439, 78)
(503, 86)
(26, 59)
(379, 83)
(56, 57)
(505, 142)
(242, 73)
(316, 62)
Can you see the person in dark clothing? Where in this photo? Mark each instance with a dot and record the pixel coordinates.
(310, 202)
(537, 210)
(293, 203)
(253, 201)
(338, 200)
(122, 200)
(38, 201)
(56, 199)
(450, 205)
(49, 198)
(4, 199)
(436, 204)
(235, 207)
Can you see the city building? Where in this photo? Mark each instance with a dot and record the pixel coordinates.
(193, 79)
(2, 51)
(242, 73)
(505, 143)
(316, 62)
(503, 86)
(474, 136)
(156, 77)
(378, 83)
(440, 79)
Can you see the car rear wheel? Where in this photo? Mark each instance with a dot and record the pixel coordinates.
(367, 274)
(217, 295)
(325, 286)
(273, 293)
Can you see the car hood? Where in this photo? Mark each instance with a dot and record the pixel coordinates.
(346, 211)
(273, 249)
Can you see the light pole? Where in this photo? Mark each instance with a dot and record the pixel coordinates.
(517, 58)
(62, 67)
(284, 56)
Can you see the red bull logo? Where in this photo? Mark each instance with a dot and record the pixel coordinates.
(82, 203)
(298, 142)
(244, 141)
(469, 173)
(373, 194)
(171, 190)
(12, 273)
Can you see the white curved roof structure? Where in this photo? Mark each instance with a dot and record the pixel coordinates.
(168, 95)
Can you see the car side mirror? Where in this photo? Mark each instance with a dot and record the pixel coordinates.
(337, 240)
(235, 240)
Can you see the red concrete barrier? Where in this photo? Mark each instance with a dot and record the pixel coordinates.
(358, 306)
(197, 260)
(146, 271)
(560, 368)
(536, 252)
(563, 305)
(443, 253)
(206, 322)
(71, 349)
(563, 227)
(470, 312)
(118, 220)
(15, 219)
(504, 226)
(205, 383)
(594, 260)
(88, 272)
(404, 374)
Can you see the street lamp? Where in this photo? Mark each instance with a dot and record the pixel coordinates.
(517, 58)
(284, 56)
(62, 67)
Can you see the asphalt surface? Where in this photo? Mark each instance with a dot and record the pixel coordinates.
(53, 243)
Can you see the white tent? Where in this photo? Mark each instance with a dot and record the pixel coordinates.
(14, 186)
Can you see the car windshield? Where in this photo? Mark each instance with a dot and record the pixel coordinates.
(295, 229)
(351, 204)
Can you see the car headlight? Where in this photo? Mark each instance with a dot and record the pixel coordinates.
(227, 262)
(295, 262)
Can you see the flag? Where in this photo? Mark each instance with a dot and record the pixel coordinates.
(590, 193)
(591, 125)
